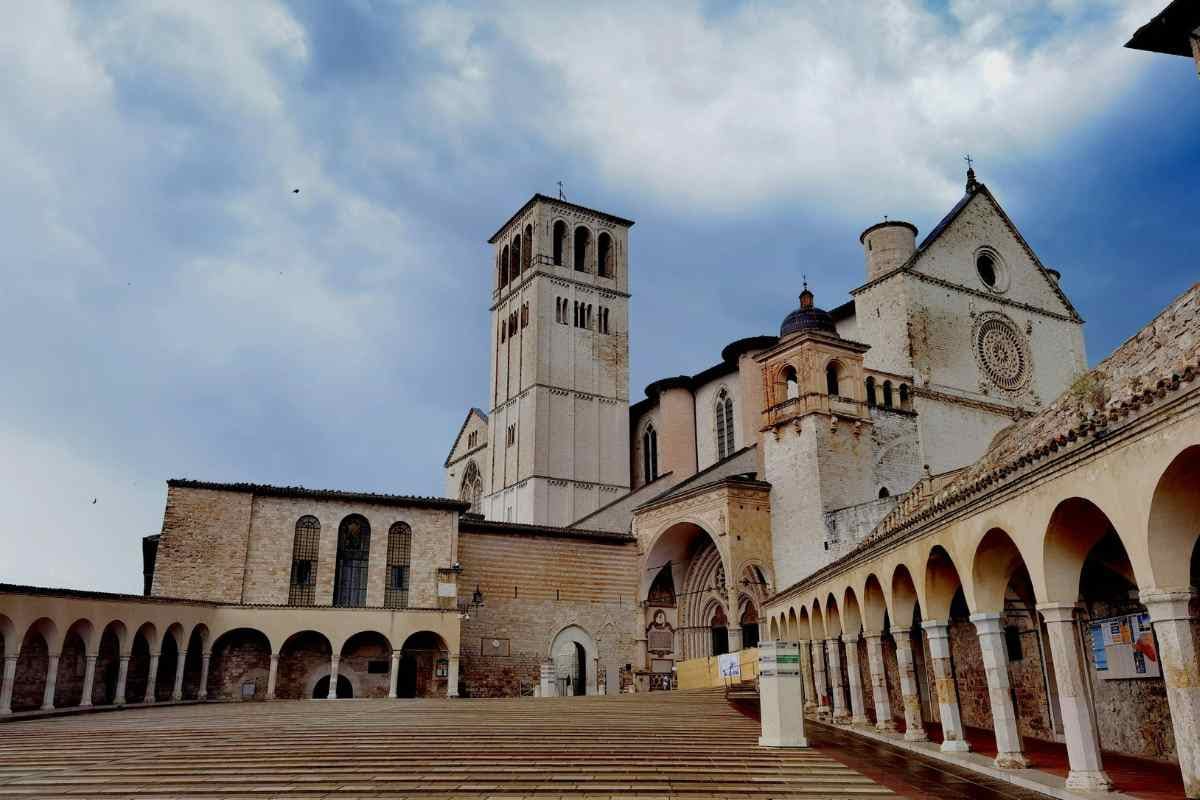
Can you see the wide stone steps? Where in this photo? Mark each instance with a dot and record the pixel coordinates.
(682, 744)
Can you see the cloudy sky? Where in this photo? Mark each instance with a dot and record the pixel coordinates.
(170, 308)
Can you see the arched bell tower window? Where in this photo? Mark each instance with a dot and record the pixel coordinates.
(871, 391)
(527, 248)
(514, 264)
(583, 242)
(887, 394)
(724, 419)
(604, 255)
(399, 555)
(304, 561)
(504, 266)
(904, 395)
(560, 241)
(832, 377)
(350, 576)
(791, 383)
(650, 454)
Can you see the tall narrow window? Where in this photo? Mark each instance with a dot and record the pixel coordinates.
(870, 391)
(354, 548)
(514, 265)
(793, 385)
(304, 561)
(650, 454)
(724, 415)
(720, 632)
(887, 394)
(527, 248)
(472, 487)
(832, 374)
(560, 241)
(583, 243)
(504, 266)
(399, 554)
(904, 395)
(604, 255)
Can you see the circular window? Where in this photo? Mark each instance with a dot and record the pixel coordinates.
(991, 270)
(1002, 353)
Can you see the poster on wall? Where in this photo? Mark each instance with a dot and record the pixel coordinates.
(730, 665)
(1123, 647)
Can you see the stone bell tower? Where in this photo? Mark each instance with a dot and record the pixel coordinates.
(559, 422)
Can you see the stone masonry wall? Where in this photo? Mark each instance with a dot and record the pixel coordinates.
(202, 552)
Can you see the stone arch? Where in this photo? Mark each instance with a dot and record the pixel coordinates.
(775, 636)
(833, 617)
(699, 571)
(304, 658)
(817, 622)
(77, 645)
(904, 597)
(942, 582)
(357, 652)
(803, 624)
(574, 645)
(418, 659)
(874, 605)
(241, 663)
(193, 665)
(1173, 529)
(1076, 525)
(40, 641)
(559, 242)
(851, 613)
(834, 376)
(111, 645)
(997, 557)
(170, 650)
(582, 247)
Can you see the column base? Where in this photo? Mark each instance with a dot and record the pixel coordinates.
(85, 703)
(1011, 761)
(1089, 780)
(915, 735)
(49, 707)
(770, 741)
(955, 746)
(841, 719)
(885, 726)
(860, 721)
(179, 696)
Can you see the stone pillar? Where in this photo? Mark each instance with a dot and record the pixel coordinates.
(819, 679)
(89, 682)
(1009, 752)
(780, 695)
(1074, 699)
(806, 673)
(452, 676)
(879, 689)
(203, 693)
(151, 679)
(180, 663)
(122, 677)
(271, 676)
(549, 686)
(394, 677)
(914, 729)
(735, 625)
(947, 691)
(858, 707)
(51, 682)
(333, 676)
(6, 687)
(833, 649)
(1179, 655)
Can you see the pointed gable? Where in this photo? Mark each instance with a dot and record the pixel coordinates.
(475, 422)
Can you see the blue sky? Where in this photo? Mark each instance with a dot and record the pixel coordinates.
(172, 309)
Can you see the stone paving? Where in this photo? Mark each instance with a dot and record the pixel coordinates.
(685, 744)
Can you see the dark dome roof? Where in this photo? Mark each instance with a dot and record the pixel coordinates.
(807, 318)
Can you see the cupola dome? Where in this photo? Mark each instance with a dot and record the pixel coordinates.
(807, 318)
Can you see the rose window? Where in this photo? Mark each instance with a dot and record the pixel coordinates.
(1001, 352)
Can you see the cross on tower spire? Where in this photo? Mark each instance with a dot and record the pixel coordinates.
(971, 182)
(561, 195)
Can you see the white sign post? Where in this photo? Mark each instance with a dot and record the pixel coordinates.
(780, 695)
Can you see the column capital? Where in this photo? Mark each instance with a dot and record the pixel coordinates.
(10, 656)
(987, 622)
(935, 627)
(1058, 612)
(872, 634)
(1166, 605)
(902, 631)
(125, 656)
(850, 638)
(275, 657)
(803, 642)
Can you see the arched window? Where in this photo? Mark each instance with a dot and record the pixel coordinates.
(514, 265)
(527, 248)
(583, 241)
(870, 391)
(904, 395)
(472, 487)
(724, 415)
(887, 394)
(350, 576)
(504, 266)
(604, 255)
(650, 454)
(304, 562)
(662, 591)
(793, 385)
(883, 492)
(560, 241)
(832, 374)
(720, 632)
(399, 555)
(749, 626)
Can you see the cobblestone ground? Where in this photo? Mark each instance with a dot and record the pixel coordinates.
(692, 745)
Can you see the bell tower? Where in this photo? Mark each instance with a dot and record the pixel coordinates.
(559, 422)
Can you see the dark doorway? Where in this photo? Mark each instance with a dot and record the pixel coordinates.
(580, 676)
(406, 682)
(720, 632)
(344, 689)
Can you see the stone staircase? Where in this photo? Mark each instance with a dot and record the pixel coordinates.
(672, 744)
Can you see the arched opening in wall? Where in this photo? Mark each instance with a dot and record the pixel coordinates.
(791, 386)
(472, 488)
(424, 666)
(303, 658)
(559, 241)
(662, 590)
(527, 248)
(169, 652)
(193, 661)
(909, 615)
(749, 622)
(345, 690)
(719, 632)
(305, 545)
(723, 417)
(887, 394)
(108, 663)
(354, 549)
(1173, 529)
(240, 665)
(797, 626)
(604, 255)
(399, 557)
(367, 661)
(504, 266)
(870, 384)
(514, 255)
(775, 636)
(72, 664)
(33, 660)
(583, 242)
(138, 677)
(698, 578)
(904, 402)
(833, 376)
(650, 454)
(883, 492)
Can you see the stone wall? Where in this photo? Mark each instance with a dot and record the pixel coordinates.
(202, 552)
(845, 528)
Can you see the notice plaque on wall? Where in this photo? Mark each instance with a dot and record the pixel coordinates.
(778, 659)
(1123, 647)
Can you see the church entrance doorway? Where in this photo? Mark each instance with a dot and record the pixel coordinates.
(575, 655)
(720, 632)
(406, 677)
(344, 689)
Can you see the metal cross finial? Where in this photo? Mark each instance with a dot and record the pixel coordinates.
(561, 195)
(805, 278)
(970, 161)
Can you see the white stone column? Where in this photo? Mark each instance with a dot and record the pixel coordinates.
(122, 677)
(549, 685)
(333, 676)
(1009, 751)
(1179, 655)
(735, 627)
(394, 677)
(947, 691)
(858, 706)
(780, 695)
(51, 682)
(6, 687)
(1074, 699)
(806, 673)
(180, 663)
(879, 688)
(833, 649)
(818, 660)
(151, 679)
(272, 676)
(89, 681)
(452, 676)
(914, 728)
(203, 693)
